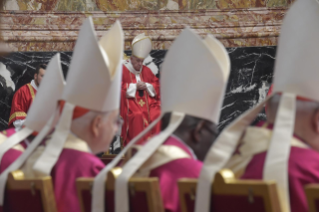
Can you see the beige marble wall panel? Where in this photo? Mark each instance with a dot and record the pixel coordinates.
(227, 4)
(137, 5)
(57, 31)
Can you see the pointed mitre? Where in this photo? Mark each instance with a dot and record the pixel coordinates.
(296, 68)
(194, 76)
(141, 46)
(43, 106)
(93, 83)
(45, 102)
(295, 75)
(40, 117)
(94, 76)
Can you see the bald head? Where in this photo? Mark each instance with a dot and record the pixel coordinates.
(306, 120)
(96, 128)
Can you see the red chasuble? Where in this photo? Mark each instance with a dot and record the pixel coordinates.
(303, 169)
(140, 111)
(21, 102)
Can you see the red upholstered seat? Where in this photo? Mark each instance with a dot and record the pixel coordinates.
(220, 203)
(138, 202)
(20, 200)
(144, 193)
(317, 204)
(24, 195)
(230, 194)
(238, 203)
(312, 193)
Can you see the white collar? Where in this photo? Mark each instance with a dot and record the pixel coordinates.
(34, 85)
(189, 149)
(130, 67)
(76, 143)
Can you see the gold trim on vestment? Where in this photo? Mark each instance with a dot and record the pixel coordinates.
(17, 114)
(31, 90)
(19, 147)
(2, 138)
(255, 141)
(138, 57)
(140, 40)
(75, 143)
(163, 155)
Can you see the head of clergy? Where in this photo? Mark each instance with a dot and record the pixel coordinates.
(97, 129)
(306, 119)
(141, 47)
(137, 63)
(39, 73)
(197, 133)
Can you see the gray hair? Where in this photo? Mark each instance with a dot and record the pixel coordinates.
(302, 107)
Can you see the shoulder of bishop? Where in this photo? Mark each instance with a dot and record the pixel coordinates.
(23, 89)
(147, 70)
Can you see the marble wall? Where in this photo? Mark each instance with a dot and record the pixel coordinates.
(133, 5)
(251, 75)
(57, 31)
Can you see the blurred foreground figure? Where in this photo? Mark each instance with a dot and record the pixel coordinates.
(89, 116)
(285, 148)
(41, 110)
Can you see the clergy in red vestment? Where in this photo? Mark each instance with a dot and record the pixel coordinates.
(140, 95)
(178, 154)
(23, 98)
(92, 114)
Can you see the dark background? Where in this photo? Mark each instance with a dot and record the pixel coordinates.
(250, 77)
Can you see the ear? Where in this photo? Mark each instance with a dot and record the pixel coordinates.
(95, 125)
(196, 133)
(315, 121)
(35, 76)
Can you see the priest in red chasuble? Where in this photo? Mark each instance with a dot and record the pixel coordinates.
(140, 97)
(23, 98)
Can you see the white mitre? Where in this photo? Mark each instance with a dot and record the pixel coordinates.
(43, 106)
(40, 117)
(296, 74)
(203, 98)
(93, 83)
(141, 46)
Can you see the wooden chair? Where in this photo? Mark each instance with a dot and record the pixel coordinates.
(312, 193)
(107, 158)
(145, 194)
(36, 195)
(230, 194)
